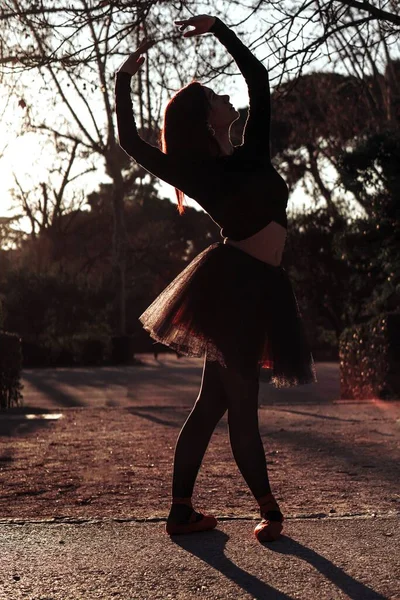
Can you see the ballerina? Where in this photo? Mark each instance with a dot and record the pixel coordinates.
(234, 303)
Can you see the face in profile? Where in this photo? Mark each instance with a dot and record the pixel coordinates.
(222, 113)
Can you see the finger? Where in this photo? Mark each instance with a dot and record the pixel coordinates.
(138, 63)
(183, 24)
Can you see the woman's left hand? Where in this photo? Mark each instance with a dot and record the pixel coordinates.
(201, 24)
(134, 61)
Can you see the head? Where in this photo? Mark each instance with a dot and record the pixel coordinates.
(194, 120)
(221, 113)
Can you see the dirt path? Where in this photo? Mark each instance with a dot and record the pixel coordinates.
(111, 452)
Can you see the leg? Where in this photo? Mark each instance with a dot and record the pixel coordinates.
(190, 448)
(248, 450)
(195, 434)
(247, 447)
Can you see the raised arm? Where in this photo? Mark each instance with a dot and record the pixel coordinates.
(150, 157)
(257, 128)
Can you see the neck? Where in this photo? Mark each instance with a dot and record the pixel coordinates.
(223, 138)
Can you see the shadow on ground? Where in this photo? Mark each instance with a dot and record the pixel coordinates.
(209, 547)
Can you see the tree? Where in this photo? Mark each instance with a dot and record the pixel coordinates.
(319, 274)
(371, 171)
(325, 113)
(45, 203)
(328, 29)
(73, 50)
(9, 236)
(68, 292)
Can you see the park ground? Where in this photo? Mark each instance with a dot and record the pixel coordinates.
(86, 466)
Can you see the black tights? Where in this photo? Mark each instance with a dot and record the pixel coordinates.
(222, 389)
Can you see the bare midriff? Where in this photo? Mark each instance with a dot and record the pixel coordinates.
(266, 245)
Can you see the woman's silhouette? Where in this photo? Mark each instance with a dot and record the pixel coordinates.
(233, 304)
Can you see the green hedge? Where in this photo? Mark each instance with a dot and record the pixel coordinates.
(10, 370)
(81, 350)
(369, 355)
(76, 350)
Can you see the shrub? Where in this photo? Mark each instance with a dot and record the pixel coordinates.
(370, 358)
(10, 370)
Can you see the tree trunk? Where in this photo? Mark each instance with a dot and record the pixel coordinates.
(119, 245)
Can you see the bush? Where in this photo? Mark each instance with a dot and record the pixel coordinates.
(93, 351)
(66, 351)
(35, 354)
(122, 350)
(370, 358)
(81, 350)
(10, 370)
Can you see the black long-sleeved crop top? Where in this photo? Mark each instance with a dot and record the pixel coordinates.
(241, 192)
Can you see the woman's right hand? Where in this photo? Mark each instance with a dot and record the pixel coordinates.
(134, 61)
(201, 23)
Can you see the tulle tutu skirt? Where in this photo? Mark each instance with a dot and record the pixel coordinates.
(240, 311)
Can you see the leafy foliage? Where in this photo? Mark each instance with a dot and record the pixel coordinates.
(372, 172)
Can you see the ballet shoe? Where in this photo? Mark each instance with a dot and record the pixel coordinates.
(270, 528)
(185, 519)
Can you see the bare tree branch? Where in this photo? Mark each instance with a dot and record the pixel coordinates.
(377, 13)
